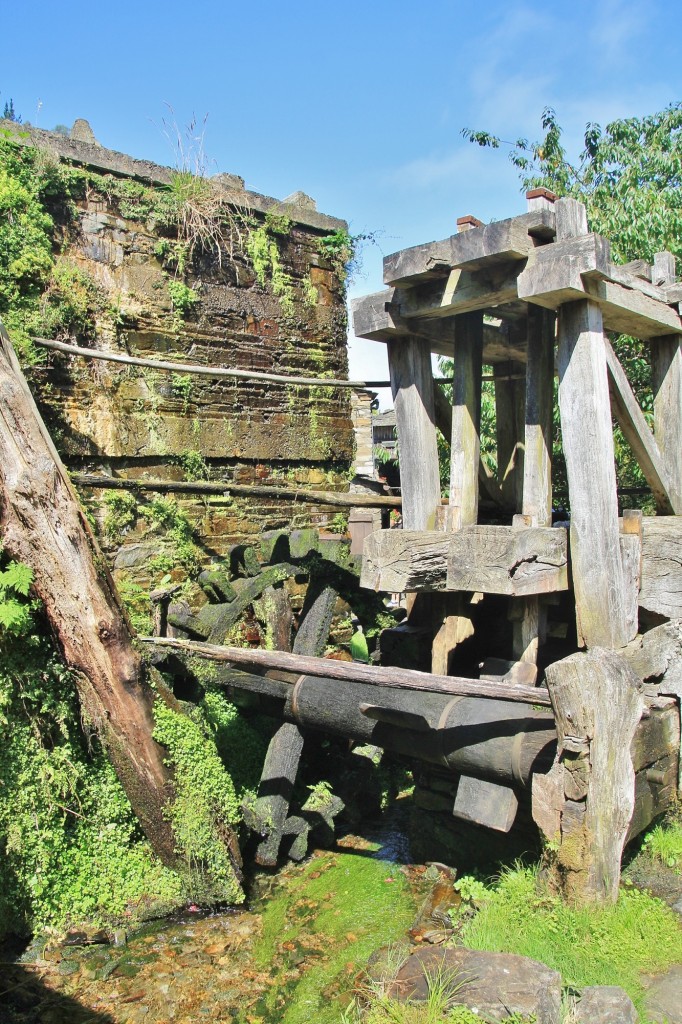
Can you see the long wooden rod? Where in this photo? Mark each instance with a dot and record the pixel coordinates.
(219, 371)
(341, 499)
(400, 678)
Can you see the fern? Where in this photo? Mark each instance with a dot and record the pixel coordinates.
(15, 583)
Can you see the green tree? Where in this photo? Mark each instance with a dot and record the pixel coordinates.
(9, 113)
(629, 176)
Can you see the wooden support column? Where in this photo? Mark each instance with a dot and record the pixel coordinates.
(466, 419)
(456, 625)
(537, 476)
(409, 361)
(666, 380)
(587, 435)
(509, 427)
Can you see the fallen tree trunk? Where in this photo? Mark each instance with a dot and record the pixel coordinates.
(43, 526)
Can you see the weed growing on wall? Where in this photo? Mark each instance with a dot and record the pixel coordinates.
(262, 248)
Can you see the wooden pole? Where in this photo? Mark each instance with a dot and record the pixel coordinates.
(587, 434)
(341, 499)
(402, 678)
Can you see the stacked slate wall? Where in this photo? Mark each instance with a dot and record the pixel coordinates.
(141, 423)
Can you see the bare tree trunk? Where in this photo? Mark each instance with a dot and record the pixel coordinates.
(43, 526)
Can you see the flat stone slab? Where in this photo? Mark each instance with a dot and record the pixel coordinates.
(494, 985)
(605, 1004)
(663, 999)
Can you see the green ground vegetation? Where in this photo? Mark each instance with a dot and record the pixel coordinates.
(588, 945)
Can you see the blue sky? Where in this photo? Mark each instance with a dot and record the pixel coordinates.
(360, 105)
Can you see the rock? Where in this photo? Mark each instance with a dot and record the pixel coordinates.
(493, 985)
(663, 999)
(135, 554)
(605, 1004)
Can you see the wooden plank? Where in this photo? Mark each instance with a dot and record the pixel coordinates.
(588, 448)
(506, 560)
(661, 586)
(466, 418)
(412, 387)
(636, 431)
(666, 381)
(399, 678)
(484, 245)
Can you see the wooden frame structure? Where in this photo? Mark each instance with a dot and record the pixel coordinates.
(535, 296)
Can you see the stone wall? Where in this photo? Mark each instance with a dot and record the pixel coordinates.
(143, 423)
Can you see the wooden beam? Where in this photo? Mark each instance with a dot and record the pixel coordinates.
(412, 387)
(400, 678)
(466, 418)
(377, 318)
(396, 561)
(555, 278)
(537, 477)
(506, 560)
(463, 291)
(666, 380)
(588, 448)
(483, 245)
(636, 431)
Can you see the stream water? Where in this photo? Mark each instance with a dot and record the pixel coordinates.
(292, 956)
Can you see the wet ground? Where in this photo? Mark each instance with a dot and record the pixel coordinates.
(293, 955)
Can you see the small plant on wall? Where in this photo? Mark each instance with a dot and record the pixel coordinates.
(262, 247)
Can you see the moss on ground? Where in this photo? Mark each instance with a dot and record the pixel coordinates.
(333, 914)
